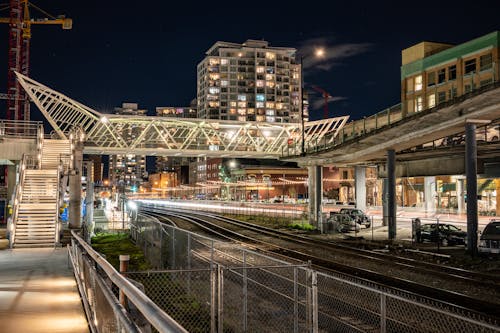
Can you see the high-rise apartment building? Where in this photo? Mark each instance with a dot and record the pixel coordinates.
(432, 73)
(249, 82)
(130, 169)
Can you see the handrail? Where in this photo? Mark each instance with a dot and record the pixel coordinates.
(19, 128)
(152, 312)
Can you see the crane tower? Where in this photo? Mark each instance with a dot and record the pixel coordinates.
(20, 22)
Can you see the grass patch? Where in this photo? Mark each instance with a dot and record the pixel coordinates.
(302, 226)
(113, 245)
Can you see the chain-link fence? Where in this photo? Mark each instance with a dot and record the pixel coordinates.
(215, 286)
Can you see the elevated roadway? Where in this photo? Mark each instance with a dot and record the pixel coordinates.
(368, 142)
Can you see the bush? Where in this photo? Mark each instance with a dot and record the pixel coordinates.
(111, 246)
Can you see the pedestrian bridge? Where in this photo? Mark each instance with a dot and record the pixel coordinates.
(108, 134)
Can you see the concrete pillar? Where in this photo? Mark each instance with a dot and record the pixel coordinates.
(429, 190)
(471, 176)
(460, 196)
(12, 179)
(315, 188)
(75, 188)
(497, 182)
(360, 185)
(385, 212)
(391, 193)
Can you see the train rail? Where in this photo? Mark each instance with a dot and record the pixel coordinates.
(369, 267)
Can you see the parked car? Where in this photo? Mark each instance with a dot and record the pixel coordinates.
(342, 222)
(446, 234)
(489, 241)
(358, 215)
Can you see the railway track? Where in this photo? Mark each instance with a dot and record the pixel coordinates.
(370, 267)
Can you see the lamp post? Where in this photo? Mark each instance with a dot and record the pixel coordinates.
(318, 53)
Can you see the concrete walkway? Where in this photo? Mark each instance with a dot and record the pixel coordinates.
(38, 292)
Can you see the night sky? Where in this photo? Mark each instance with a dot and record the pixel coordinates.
(147, 51)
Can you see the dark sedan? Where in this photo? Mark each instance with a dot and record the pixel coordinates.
(446, 234)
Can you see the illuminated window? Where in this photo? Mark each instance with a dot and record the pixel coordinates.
(260, 118)
(279, 106)
(242, 97)
(213, 61)
(269, 77)
(269, 112)
(418, 83)
(242, 118)
(269, 105)
(242, 111)
(232, 103)
(431, 100)
(213, 90)
(270, 55)
(270, 84)
(259, 104)
(270, 119)
(260, 70)
(224, 83)
(232, 111)
(242, 104)
(259, 83)
(223, 62)
(260, 97)
(419, 104)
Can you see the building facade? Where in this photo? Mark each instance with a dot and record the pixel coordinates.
(249, 82)
(433, 73)
(128, 169)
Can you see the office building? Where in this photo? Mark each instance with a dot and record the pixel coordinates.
(433, 73)
(249, 82)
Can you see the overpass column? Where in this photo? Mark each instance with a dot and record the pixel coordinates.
(391, 193)
(429, 189)
(75, 187)
(471, 177)
(315, 189)
(497, 182)
(360, 185)
(460, 195)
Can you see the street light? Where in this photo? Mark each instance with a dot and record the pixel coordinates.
(320, 52)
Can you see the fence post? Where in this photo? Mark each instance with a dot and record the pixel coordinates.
(308, 299)
(295, 301)
(189, 262)
(245, 292)
(213, 292)
(314, 305)
(124, 260)
(383, 314)
(220, 303)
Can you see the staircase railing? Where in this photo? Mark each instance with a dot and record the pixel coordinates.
(28, 162)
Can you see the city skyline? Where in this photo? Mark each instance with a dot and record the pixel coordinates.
(148, 54)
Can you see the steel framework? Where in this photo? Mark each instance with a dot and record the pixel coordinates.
(162, 136)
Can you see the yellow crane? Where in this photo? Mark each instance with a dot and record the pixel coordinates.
(20, 23)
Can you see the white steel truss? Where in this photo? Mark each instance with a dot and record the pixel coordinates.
(164, 136)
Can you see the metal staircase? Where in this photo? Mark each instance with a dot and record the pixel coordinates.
(35, 218)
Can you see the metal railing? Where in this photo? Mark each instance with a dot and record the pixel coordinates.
(384, 119)
(27, 162)
(99, 282)
(215, 286)
(20, 129)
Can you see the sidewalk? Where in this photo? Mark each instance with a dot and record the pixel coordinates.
(38, 292)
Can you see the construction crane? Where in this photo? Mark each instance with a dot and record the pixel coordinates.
(20, 22)
(326, 96)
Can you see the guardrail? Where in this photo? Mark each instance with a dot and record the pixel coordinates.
(96, 279)
(20, 129)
